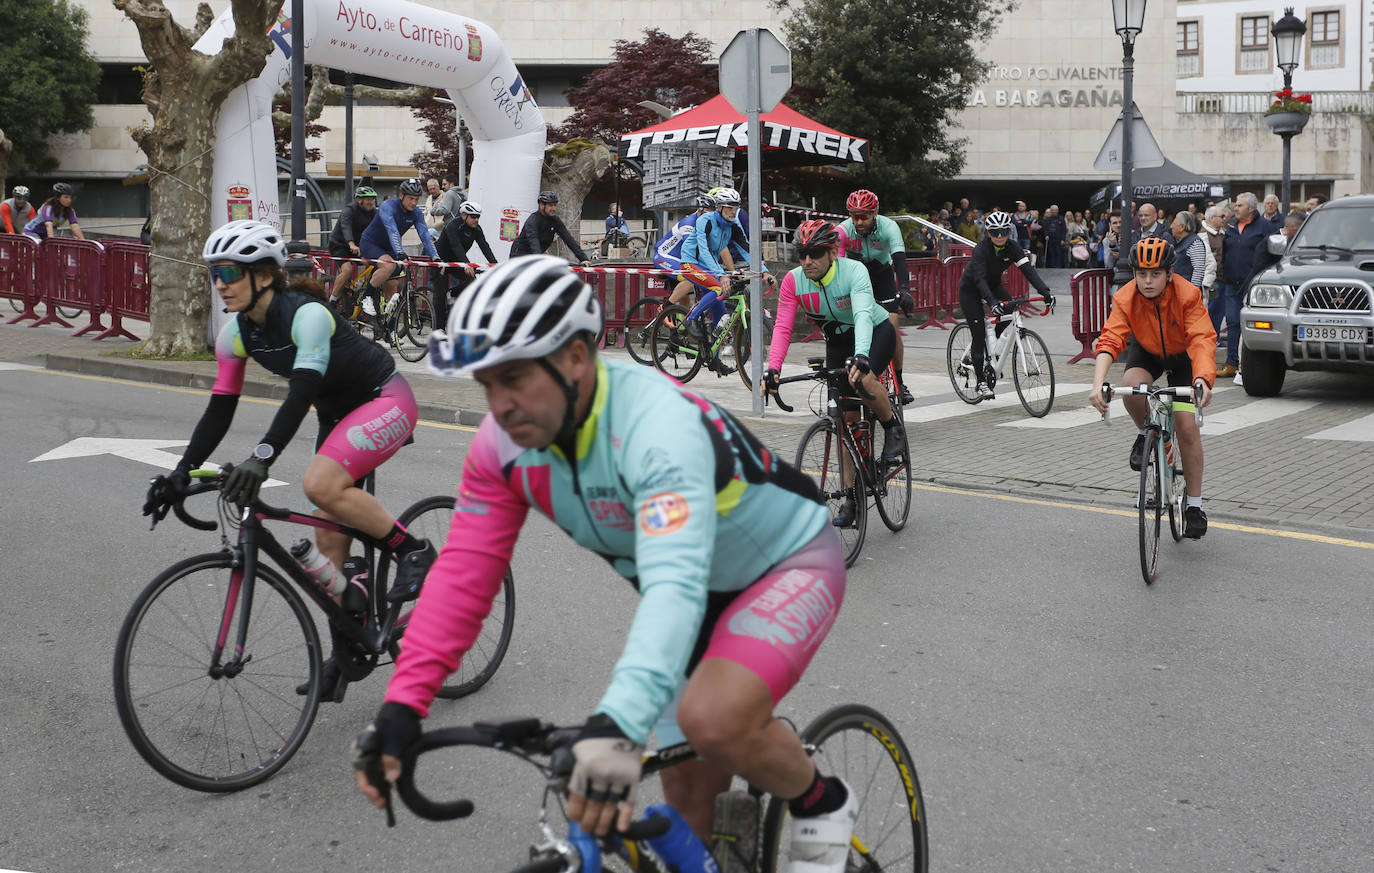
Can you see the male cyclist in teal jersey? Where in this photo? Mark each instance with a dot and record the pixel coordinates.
(739, 575)
(835, 292)
(381, 241)
(875, 241)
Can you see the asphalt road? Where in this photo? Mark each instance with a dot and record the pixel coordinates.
(1062, 715)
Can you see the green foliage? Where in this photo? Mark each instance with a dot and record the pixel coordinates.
(896, 72)
(49, 79)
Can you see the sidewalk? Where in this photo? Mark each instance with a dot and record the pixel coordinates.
(1268, 473)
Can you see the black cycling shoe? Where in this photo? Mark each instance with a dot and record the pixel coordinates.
(905, 397)
(410, 573)
(333, 685)
(894, 442)
(847, 514)
(1194, 522)
(1138, 452)
(720, 368)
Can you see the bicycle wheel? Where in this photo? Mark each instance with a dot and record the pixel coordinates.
(1033, 373)
(958, 362)
(232, 729)
(671, 348)
(1150, 506)
(864, 749)
(414, 324)
(892, 489)
(16, 304)
(743, 346)
(1178, 498)
(820, 456)
(640, 321)
(429, 519)
(636, 246)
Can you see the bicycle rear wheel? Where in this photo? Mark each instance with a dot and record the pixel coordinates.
(821, 456)
(1178, 499)
(414, 324)
(429, 519)
(671, 348)
(640, 321)
(227, 730)
(958, 362)
(1033, 373)
(864, 749)
(1151, 507)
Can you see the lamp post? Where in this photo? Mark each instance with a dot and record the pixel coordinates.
(1128, 19)
(1288, 32)
(298, 264)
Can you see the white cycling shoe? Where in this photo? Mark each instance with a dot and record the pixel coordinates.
(820, 844)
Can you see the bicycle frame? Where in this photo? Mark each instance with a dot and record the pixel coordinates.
(998, 347)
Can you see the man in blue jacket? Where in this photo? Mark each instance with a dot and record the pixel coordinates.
(1244, 237)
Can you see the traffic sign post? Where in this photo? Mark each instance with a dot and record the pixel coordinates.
(755, 73)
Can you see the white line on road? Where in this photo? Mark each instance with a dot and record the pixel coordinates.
(1256, 412)
(1360, 430)
(5, 365)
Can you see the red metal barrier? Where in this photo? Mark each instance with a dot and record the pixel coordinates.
(72, 274)
(1092, 303)
(618, 291)
(128, 291)
(949, 291)
(958, 250)
(19, 273)
(927, 288)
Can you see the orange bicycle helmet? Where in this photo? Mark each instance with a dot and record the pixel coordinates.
(1152, 253)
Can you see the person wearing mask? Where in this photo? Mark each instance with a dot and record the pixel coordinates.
(55, 213)
(17, 211)
(348, 229)
(1239, 254)
(539, 230)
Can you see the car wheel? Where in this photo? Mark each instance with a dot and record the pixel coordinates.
(1262, 373)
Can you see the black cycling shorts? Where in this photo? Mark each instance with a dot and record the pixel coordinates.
(839, 347)
(343, 251)
(1179, 367)
(884, 283)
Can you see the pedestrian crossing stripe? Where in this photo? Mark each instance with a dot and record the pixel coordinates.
(1360, 430)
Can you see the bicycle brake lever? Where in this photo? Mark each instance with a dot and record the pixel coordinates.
(377, 779)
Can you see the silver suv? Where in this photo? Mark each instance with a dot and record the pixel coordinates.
(1312, 310)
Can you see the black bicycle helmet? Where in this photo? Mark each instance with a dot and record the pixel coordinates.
(412, 186)
(1152, 253)
(62, 188)
(548, 197)
(706, 201)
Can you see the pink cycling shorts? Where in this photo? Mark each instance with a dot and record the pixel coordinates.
(375, 431)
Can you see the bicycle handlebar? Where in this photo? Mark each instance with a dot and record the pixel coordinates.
(211, 482)
(1183, 392)
(817, 374)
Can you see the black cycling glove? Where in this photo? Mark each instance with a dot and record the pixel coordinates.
(906, 303)
(390, 733)
(770, 380)
(861, 361)
(1004, 308)
(244, 481)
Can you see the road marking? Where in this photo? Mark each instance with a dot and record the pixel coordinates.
(1006, 399)
(5, 365)
(144, 451)
(1059, 420)
(1252, 413)
(1360, 430)
(1131, 513)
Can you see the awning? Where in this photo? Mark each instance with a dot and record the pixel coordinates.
(1168, 185)
(716, 122)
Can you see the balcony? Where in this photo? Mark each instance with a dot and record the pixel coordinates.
(1256, 102)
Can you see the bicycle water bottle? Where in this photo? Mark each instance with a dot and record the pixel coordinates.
(679, 849)
(735, 834)
(587, 848)
(863, 437)
(320, 568)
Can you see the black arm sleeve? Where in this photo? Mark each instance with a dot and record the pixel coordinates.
(345, 223)
(562, 230)
(1034, 278)
(481, 238)
(900, 268)
(304, 385)
(211, 428)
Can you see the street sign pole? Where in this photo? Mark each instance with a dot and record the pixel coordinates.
(755, 159)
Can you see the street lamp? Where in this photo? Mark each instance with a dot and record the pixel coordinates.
(1128, 19)
(1288, 32)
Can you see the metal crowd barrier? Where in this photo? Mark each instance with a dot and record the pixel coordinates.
(1092, 303)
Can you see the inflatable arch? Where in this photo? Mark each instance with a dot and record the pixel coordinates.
(403, 42)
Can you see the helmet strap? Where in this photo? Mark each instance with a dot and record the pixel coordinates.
(567, 434)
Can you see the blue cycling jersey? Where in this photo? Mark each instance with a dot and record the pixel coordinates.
(713, 233)
(383, 235)
(669, 248)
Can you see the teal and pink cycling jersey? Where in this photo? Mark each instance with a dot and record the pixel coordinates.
(841, 301)
(674, 493)
(878, 247)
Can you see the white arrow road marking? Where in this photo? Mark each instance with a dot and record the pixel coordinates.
(143, 451)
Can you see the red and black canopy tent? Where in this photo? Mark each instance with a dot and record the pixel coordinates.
(789, 138)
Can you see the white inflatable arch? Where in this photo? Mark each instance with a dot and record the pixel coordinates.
(403, 42)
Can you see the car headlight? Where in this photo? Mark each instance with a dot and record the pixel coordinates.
(1275, 296)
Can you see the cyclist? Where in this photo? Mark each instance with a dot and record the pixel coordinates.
(706, 255)
(875, 241)
(668, 251)
(836, 293)
(366, 410)
(719, 552)
(55, 212)
(381, 243)
(1160, 321)
(354, 218)
(537, 234)
(982, 280)
(455, 240)
(16, 211)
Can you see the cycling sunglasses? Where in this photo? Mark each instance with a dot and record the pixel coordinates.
(228, 273)
(1002, 232)
(861, 216)
(815, 253)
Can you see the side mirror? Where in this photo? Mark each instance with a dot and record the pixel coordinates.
(1278, 244)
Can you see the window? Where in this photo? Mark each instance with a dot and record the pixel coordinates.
(1324, 31)
(1254, 45)
(1186, 46)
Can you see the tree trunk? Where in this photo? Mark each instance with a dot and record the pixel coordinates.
(571, 173)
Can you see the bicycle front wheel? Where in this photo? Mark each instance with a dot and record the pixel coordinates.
(823, 455)
(640, 321)
(744, 344)
(430, 519)
(1178, 498)
(959, 363)
(671, 347)
(864, 749)
(414, 324)
(1150, 507)
(1033, 373)
(230, 727)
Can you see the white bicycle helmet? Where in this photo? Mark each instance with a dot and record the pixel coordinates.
(727, 197)
(21, 192)
(246, 242)
(526, 308)
(468, 207)
(998, 220)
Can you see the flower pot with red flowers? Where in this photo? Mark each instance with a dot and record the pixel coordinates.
(1289, 113)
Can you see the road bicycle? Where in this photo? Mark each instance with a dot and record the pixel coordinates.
(408, 318)
(1161, 472)
(675, 350)
(839, 452)
(1032, 371)
(639, 326)
(853, 742)
(636, 244)
(218, 666)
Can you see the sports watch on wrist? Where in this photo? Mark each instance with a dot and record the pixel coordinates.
(264, 452)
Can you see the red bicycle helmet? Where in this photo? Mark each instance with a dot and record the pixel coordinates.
(817, 233)
(862, 200)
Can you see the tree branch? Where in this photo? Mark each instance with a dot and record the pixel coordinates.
(164, 41)
(248, 47)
